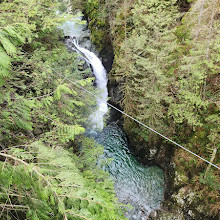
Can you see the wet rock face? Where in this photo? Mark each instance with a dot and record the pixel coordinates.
(166, 215)
(115, 95)
(107, 55)
(114, 90)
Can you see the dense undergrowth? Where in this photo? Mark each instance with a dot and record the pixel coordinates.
(47, 166)
(167, 65)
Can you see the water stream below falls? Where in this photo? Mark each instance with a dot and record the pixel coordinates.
(140, 186)
(135, 184)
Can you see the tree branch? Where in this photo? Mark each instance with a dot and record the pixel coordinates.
(37, 172)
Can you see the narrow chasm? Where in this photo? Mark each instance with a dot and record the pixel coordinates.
(139, 186)
(165, 74)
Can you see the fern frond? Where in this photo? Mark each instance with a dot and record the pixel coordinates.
(45, 193)
(47, 102)
(6, 43)
(19, 115)
(86, 81)
(78, 103)
(4, 72)
(62, 89)
(5, 60)
(2, 82)
(10, 37)
(68, 132)
(13, 32)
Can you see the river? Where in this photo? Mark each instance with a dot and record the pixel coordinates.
(140, 186)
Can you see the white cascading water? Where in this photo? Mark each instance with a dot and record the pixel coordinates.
(140, 186)
(77, 32)
(96, 118)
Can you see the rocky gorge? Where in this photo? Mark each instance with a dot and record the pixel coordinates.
(111, 32)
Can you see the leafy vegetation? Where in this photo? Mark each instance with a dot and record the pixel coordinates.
(40, 182)
(42, 121)
(167, 64)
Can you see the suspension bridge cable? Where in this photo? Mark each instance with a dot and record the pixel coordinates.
(112, 106)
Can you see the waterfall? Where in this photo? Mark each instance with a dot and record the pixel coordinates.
(77, 33)
(96, 118)
(134, 184)
(137, 185)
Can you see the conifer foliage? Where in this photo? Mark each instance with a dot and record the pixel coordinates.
(167, 66)
(42, 119)
(10, 37)
(41, 182)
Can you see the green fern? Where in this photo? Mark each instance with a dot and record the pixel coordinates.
(11, 36)
(4, 59)
(5, 62)
(63, 89)
(18, 116)
(68, 132)
(50, 184)
(6, 43)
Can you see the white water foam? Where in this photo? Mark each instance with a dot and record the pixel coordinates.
(76, 32)
(96, 118)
